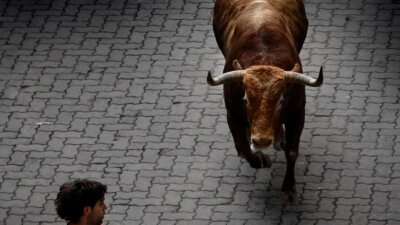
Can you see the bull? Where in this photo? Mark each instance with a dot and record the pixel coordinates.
(263, 83)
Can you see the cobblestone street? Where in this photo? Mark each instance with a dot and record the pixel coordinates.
(116, 91)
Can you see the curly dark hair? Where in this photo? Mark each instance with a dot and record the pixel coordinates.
(74, 196)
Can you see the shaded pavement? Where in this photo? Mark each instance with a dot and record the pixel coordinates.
(116, 91)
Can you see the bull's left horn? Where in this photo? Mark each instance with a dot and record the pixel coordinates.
(304, 79)
(225, 77)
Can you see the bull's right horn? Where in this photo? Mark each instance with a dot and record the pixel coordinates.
(304, 79)
(225, 77)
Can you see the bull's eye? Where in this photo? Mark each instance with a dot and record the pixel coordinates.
(245, 101)
(281, 100)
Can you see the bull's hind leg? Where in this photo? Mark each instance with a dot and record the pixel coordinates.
(294, 128)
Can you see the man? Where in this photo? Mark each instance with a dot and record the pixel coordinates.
(81, 202)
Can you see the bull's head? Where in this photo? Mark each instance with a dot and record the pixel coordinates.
(264, 97)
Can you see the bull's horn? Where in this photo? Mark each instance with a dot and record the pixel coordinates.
(304, 79)
(225, 77)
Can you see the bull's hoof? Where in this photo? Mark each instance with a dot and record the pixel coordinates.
(279, 146)
(259, 160)
(290, 196)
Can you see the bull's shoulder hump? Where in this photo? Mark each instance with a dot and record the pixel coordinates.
(253, 11)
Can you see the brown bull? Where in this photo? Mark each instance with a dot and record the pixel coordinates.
(264, 88)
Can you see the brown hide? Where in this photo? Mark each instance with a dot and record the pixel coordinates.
(244, 24)
(265, 37)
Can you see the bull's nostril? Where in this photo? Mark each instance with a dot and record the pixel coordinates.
(255, 141)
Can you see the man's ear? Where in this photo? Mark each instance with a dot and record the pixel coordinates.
(87, 210)
(236, 65)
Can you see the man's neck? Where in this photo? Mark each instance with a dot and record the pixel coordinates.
(82, 221)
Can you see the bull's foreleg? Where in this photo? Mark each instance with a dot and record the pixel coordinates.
(294, 128)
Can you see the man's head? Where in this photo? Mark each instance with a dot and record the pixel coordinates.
(81, 199)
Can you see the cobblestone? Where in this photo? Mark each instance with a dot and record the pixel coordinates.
(116, 91)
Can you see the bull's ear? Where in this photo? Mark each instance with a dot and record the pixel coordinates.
(236, 65)
(296, 68)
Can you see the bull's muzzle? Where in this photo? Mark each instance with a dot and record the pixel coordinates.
(259, 144)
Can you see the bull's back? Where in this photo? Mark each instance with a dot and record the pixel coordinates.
(233, 18)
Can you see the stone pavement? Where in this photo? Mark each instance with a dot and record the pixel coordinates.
(115, 90)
